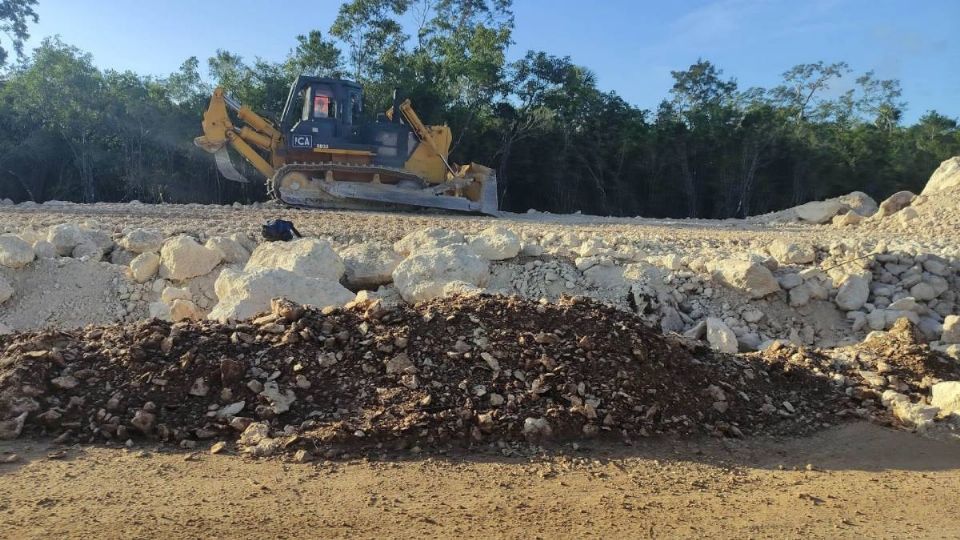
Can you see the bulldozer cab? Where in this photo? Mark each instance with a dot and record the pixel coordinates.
(324, 114)
(321, 113)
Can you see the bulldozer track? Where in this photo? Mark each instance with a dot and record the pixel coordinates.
(274, 192)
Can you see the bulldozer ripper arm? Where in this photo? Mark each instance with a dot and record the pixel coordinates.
(258, 123)
(251, 155)
(217, 125)
(218, 131)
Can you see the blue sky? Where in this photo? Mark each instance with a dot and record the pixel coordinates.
(631, 45)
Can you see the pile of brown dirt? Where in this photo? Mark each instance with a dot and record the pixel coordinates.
(464, 371)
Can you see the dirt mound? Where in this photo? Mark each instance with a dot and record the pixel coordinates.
(467, 371)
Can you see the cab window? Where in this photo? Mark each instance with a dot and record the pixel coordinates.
(305, 96)
(324, 106)
(353, 109)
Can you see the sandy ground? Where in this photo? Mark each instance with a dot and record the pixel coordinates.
(858, 480)
(346, 225)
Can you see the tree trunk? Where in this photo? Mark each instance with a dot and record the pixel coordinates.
(689, 186)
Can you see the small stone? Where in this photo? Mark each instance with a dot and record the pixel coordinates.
(302, 456)
(231, 371)
(721, 337)
(65, 383)
(951, 329)
(200, 388)
(143, 421)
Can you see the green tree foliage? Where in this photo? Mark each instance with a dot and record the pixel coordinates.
(558, 143)
(14, 17)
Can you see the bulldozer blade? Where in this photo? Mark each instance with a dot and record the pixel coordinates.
(386, 193)
(226, 168)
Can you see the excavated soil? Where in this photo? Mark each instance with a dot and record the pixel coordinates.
(464, 371)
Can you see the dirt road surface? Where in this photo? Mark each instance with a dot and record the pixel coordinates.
(854, 481)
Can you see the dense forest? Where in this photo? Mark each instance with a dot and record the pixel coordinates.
(71, 131)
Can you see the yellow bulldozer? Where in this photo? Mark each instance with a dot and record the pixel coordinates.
(323, 154)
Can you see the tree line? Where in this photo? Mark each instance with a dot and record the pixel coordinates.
(71, 131)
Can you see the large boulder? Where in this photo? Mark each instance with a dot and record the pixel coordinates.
(859, 202)
(496, 243)
(65, 237)
(6, 290)
(946, 176)
(231, 250)
(369, 265)
(751, 277)
(183, 258)
(15, 252)
(853, 293)
(721, 337)
(429, 238)
(424, 275)
(144, 266)
(894, 203)
(245, 294)
(309, 257)
(789, 253)
(819, 211)
(142, 240)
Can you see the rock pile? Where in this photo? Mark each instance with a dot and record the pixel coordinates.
(476, 370)
(892, 377)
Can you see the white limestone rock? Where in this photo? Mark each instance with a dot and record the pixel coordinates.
(65, 237)
(750, 277)
(142, 241)
(496, 243)
(859, 203)
(424, 275)
(853, 293)
(308, 257)
(429, 238)
(231, 251)
(720, 337)
(946, 396)
(184, 309)
(369, 265)
(144, 267)
(15, 252)
(819, 211)
(914, 415)
(790, 253)
(245, 294)
(183, 258)
(847, 219)
(170, 294)
(946, 176)
(894, 203)
(951, 329)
